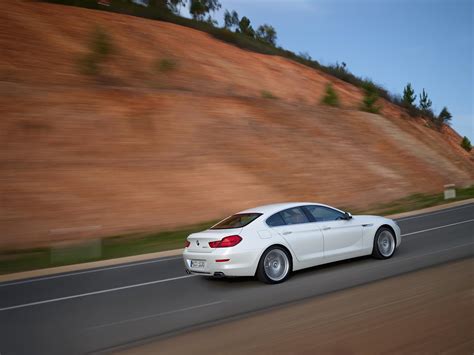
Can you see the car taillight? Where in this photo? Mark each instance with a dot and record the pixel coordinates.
(226, 242)
(187, 243)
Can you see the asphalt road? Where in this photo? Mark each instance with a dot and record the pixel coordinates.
(100, 309)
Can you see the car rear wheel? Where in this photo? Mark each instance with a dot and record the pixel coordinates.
(274, 266)
(384, 244)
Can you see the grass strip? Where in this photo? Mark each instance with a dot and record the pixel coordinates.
(150, 242)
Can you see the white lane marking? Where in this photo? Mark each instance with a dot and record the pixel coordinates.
(160, 260)
(434, 228)
(176, 258)
(426, 254)
(87, 271)
(154, 315)
(187, 276)
(400, 259)
(433, 213)
(422, 255)
(94, 293)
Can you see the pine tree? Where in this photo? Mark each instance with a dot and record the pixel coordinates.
(409, 96)
(466, 144)
(444, 117)
(245, 27)
(425, 102)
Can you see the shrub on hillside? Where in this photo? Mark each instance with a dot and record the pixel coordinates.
(100, 48)
(240, 40)
(330, 97)
(166, 65)
(267, 94)
(466, 144)
(369, 102)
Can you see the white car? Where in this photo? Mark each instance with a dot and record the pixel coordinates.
(272, 241)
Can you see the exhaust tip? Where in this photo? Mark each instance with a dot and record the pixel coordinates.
(219, 275)
(188, 272)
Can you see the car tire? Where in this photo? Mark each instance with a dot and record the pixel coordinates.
(385, 243)
(275, 265)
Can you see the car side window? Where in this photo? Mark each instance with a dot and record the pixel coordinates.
(275, 220)
(324, 214)
(294, 216)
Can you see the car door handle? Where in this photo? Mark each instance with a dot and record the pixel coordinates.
(326, 228)
(286, 233)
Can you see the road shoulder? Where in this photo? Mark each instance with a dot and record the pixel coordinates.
(172, 253)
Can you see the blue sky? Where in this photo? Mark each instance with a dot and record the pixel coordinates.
(426, 42)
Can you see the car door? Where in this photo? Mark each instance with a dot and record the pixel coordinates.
(302, 235)
(342, 237)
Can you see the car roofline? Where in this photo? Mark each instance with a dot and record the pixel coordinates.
(267, 210)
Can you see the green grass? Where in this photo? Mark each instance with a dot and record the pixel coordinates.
(419, 201)
(111, 247)
(142, 243)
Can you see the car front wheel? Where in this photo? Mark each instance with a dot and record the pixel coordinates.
(384, 244)
(274, 266)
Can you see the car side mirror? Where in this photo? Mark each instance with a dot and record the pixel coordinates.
(347, 216)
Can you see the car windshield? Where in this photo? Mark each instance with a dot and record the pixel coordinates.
(237, 221)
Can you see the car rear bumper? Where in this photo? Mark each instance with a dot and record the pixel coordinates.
(242, 263)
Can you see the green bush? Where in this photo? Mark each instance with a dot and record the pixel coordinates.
(267, 95)
(238, 39)
(466, 144)
(100, 48)
(330, 97)
(166, 65)
(370, 98)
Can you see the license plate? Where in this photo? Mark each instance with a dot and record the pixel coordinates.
(198, 264)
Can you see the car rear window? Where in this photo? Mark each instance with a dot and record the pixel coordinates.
(276, 220)
(238, 220)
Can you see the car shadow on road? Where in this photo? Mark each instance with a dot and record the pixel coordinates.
(249, 281)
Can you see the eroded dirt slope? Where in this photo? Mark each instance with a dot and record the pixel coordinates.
(137, 148)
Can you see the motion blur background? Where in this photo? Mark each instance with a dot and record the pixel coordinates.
(126, 125)
(124, 117)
